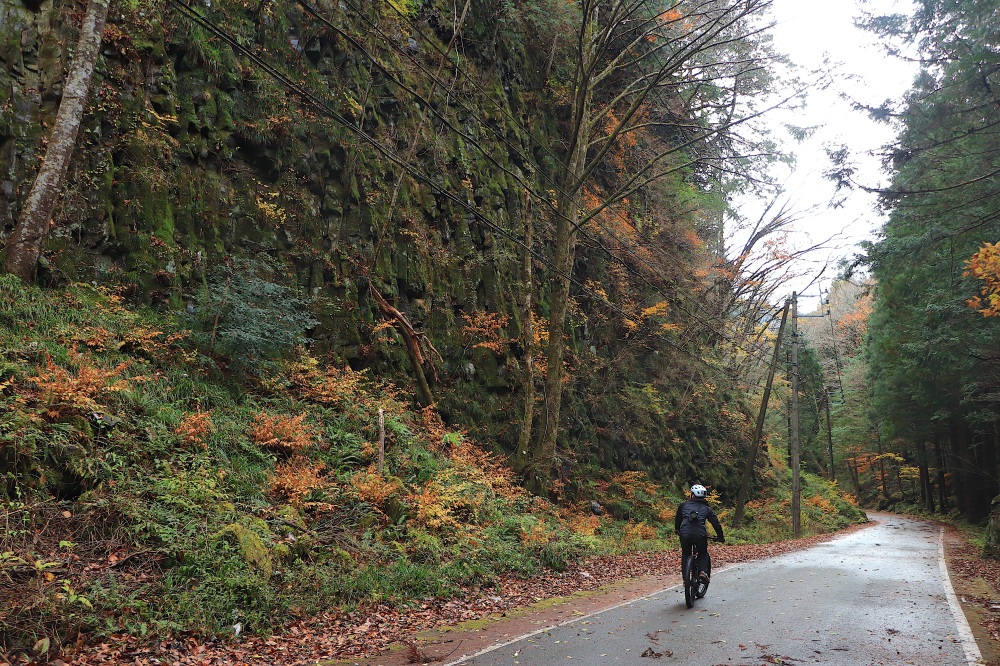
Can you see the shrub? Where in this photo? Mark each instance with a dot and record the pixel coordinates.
(248, 318)
(283, 433)
(296, 479)
(65, 391)
(193, 429)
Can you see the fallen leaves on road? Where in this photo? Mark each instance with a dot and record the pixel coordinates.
(371, 629)
(966, 562)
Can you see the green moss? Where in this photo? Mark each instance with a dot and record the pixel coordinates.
(251, 546)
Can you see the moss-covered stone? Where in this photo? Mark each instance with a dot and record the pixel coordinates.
(251, 546)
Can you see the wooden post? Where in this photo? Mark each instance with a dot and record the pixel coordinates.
(794, 442)
(381, 440)
(829, 438)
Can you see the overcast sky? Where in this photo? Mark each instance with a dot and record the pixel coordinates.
(809, 31)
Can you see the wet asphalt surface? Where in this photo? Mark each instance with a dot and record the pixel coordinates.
(876, 596)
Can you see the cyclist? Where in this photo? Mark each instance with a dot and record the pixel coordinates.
(690, 524)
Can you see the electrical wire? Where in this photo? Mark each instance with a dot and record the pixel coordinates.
(486, 95)
(321, 105)
(385, 152)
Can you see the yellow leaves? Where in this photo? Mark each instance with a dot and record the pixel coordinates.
(460, 495)
(585, 525)
(271, 212)
(984, 265)
(633, 483)
(658, 310)
(375, 488)
(329, 386)
(538, 533)
(822, 504)
(636, 532)
(485, 330)
(431, 510)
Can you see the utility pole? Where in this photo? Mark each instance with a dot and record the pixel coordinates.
(829, 437)
(741, 497)
(794, 440)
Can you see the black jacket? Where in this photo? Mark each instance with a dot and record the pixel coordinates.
(692, 516)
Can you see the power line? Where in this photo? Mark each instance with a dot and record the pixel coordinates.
(517, 150)
(387, 153)
(309, 97)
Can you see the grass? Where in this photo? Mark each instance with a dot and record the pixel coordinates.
(149, 490)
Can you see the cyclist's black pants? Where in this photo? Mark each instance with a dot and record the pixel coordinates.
(704, 561)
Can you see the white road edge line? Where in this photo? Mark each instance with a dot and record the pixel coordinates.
(972, 653)
(466, 657)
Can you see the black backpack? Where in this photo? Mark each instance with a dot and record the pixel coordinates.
(696, 516)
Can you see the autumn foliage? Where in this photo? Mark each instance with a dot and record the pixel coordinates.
(194, 428)
(81, 388)
(295, 479)
(485, 330)
(281, 432)
(984, 265)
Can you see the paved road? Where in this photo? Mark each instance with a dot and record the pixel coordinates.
(877, 596)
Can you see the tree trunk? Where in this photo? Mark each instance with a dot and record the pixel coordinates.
(984, 486)
(852, 466)
(544, 458)
(24, 247)
(412, 340)
(991, 547)
(565, 249)
(941, 478)
(881, 467)
(926, 488)
(959, 465)
(523, 464)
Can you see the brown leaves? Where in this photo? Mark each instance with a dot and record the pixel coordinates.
(80, 389)
(485, 330)
(193, 429)
(281, 432)
(372, 628)
(296, 478)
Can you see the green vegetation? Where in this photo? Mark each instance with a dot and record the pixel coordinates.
(145, 490)
(282, 221)
(916, 415)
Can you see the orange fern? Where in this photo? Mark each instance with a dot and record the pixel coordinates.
(281, 432)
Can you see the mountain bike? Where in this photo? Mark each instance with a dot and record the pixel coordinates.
(694, 585)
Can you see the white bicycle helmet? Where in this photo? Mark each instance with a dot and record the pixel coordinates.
(698, 490)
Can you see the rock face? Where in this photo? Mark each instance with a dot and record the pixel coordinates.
(264, 133)
(191, 154)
